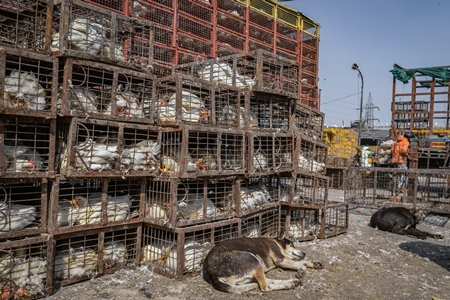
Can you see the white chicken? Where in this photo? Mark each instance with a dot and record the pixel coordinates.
(118, 53)
(171, 159)
(92, 155)
(156, 251)
(251, 230)
(223, 73)
(260, 161)
(310, 165)
(205, 158)
(16, 216)
(254, 196)
(80, 99)
(194, 254)
(20, 158)
(127, 105)
(166, 112)
(141, 156)
(89, 210)
(76, 263)
(114, 255)
(229, 115)
(22, 90)
(190, 207)
(27, 274)
(87, 36)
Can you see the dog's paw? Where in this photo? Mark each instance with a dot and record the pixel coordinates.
(298, 281)
(318, 264)
(300, 273)
(438, 236)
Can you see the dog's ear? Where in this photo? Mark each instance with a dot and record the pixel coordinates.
(282, 234)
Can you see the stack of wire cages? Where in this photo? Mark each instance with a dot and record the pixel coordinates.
(257, 70)
(87, 31)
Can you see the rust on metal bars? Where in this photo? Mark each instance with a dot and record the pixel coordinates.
(412, 188)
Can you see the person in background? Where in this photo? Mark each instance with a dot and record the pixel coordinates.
(400, 156)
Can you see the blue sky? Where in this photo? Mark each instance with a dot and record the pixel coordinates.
(375, 35)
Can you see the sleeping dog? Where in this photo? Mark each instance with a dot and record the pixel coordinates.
(239, 265)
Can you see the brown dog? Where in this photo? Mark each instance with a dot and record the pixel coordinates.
(239, 265)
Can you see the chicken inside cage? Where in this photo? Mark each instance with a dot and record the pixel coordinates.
(164, 254)
(90, 37)
(20, 158)
(260, 161)
(80, 98)
(229, 115)
(141, 156)
(114, 255)
(193, 108)
(223, 73)
(23, 276)
(82, 210)
(171, 160)
(75, 262)
(191, 206)
(254, 196)
(23, 90)
(127, 104)
(303, 223)
(306, 163)
(15, 216)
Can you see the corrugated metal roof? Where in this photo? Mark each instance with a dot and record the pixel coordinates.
(376, 134)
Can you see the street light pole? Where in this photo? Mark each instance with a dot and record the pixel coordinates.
(355, 67)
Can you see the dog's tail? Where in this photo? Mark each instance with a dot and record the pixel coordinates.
(217, 284)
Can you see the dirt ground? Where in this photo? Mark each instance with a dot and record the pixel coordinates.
(363, 263)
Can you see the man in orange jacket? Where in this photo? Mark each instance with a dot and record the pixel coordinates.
(400, 155)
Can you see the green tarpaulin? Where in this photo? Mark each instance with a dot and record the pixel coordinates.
(441, 75)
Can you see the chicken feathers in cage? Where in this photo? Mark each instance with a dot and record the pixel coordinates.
(16, 216)
(190, 207)
(92, 155)
(114, 255)
(156, 252)
(80, 98)
(76, 263)
(194, 254)
(20, 158)
(254, 196)
(22, 90)
(193, 109)
(142, 156)
(171, 159)
(86, 35)
(27, 274)
(88, 210)
(127, 104)
(223, 73)
(309, 164)
(260, 161)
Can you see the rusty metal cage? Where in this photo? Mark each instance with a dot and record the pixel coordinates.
(413, 188)
(182, 99)
(335, 219)
(87, 31)
(23, 207)
(230, 29)
(81, 255)
(99, 148)
(92, 203)
(309, 121)
(179, 251)
(27, 82)
(268, 153)
(310, 190)
(195, 151)
(254, 195)
(114, 5)
(265, 222)
(257, 70)
(229, 106)
(176, 203)
(271, 111)
(24, 264)
(27, 146)
(200, 49)
(26, 24)
(312, 155)
(302, 224)
(87, 89)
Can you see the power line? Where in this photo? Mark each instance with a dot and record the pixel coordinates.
(340, 98)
